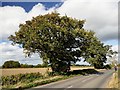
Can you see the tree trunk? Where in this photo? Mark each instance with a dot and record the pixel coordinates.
(60, 66)
(99, 66)
(68, 68)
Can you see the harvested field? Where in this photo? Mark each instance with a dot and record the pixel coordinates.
(77, 68)
(7, 72)
(13, 71)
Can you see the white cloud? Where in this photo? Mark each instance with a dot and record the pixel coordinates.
(12, 16)
(39, 9)
(10, 52)
(101, 16)
(115, 48)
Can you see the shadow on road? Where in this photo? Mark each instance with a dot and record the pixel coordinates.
(84, 72)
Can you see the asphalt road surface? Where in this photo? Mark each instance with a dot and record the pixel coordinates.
(99, 80)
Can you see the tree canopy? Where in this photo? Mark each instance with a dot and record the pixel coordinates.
(60, 40)
(11, 64)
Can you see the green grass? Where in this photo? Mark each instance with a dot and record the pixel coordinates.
(44, 82)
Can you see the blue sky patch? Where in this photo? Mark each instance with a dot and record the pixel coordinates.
(29, 5)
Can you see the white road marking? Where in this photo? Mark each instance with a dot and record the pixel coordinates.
(87, 79)
(68, 87)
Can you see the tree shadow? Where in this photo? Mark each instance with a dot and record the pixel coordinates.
(84, 72)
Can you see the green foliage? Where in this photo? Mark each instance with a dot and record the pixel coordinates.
(16, 64)
(60, 40)
(11, 64)
(42, 82)
(118, 65)
(107, 66)
(33, 66)
(81, 65)
(38, 66)
(14, 79)
(52, 36)
(26, 66)
(97, 54)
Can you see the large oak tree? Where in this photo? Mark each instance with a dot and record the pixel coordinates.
(60, 40)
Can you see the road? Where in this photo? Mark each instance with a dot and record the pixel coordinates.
(99, 80)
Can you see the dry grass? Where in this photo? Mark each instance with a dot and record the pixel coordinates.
(77, 68)
(13, 71)
(114, 82)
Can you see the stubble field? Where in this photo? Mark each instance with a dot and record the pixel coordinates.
(14, 71)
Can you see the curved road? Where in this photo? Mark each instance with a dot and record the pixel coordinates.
(99, 80)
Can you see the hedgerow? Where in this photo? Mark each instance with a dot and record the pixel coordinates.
(14, 79)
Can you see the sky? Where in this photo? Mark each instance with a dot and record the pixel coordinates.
(101, 17)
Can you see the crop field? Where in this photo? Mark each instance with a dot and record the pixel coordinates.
(14, 71)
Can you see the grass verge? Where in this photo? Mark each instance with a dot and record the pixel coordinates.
(24, 81)
(115, 81)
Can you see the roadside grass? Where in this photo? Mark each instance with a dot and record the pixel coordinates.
(119, 83)
(115, 81)
(24, 81)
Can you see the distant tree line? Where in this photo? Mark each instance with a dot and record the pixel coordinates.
(81, 65)
(16, 64)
